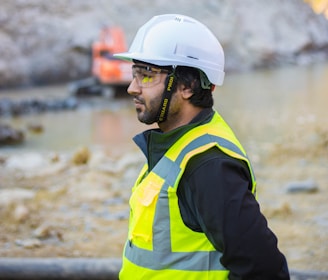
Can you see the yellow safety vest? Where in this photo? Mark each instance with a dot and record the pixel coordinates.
(160, 245)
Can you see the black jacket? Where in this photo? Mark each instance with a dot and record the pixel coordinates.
(215, 198)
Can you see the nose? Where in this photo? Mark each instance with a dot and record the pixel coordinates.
(134, 88)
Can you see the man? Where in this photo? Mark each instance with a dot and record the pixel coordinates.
(193, 209)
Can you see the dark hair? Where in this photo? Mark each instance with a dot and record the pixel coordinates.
(190, 78)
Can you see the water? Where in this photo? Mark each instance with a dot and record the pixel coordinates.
(65, 130)
(259, 105)
(265, 104)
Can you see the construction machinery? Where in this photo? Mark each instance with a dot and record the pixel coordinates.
(109, 75)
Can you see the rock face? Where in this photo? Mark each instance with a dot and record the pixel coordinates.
(49, 41)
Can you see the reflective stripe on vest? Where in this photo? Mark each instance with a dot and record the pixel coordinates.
(161, 255)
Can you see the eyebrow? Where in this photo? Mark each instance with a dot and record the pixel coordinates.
(150, 68)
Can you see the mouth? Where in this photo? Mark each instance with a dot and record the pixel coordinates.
(138, 103)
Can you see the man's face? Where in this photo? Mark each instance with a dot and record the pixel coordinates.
(147, 88)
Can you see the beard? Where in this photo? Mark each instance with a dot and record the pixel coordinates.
(149, 113)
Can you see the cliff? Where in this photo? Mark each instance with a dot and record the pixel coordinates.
(45, 42)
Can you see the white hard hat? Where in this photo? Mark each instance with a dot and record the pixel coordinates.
(178, 40)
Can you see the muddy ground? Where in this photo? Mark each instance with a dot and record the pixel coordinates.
(75, 203)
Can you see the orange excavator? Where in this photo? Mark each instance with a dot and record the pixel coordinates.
(110, 76)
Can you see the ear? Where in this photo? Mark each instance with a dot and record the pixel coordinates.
(186, 93)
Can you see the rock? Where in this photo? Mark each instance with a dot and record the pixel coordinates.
(10, 107)
(32, 164)
(43, 231)
(11, 196)
(35, 127)
(70, 103)
(48, 231)
(29, 243)
(307, 186)
(281, 211)
(26, 162)
(55, 158)
(2, 159)
(21, 213)
(10, 136)
(122, 164)
(5, 107)
(81, 156)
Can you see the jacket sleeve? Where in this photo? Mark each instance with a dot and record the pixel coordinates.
(215, 198)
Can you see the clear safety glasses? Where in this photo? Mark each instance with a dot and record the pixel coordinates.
(147, 76)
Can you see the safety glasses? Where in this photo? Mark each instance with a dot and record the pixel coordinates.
(147, 76)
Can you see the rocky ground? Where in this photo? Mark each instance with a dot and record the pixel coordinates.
(75, 204)
(68, 205)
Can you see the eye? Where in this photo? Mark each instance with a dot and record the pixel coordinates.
(146, 76)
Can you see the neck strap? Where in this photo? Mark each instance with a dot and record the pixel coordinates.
(166, 97)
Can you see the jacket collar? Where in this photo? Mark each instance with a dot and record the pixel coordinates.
(154, 143)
